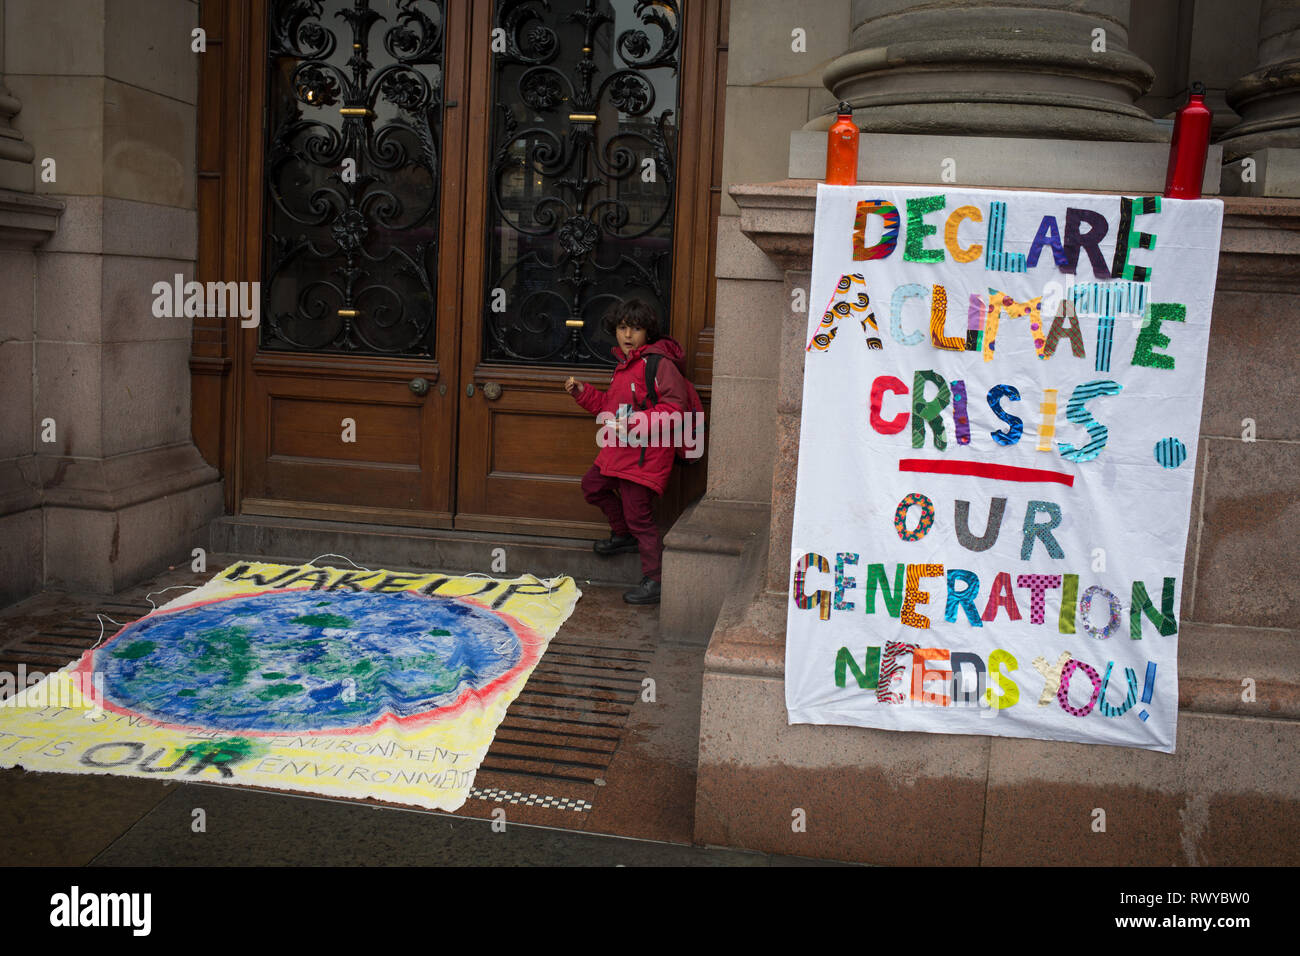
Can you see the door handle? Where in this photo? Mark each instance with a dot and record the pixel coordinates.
(420, 386)
(491, 391)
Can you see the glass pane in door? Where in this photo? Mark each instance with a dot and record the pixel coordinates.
(583, 166)
(354, 130)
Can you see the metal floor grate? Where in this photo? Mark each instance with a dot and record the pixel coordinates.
(567, 722)
(57, 645)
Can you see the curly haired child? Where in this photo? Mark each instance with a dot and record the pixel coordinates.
(628, 473)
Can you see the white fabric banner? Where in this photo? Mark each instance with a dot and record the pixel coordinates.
(1001, 411)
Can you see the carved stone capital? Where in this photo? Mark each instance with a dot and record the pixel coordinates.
(1047, 68)
(778, 218)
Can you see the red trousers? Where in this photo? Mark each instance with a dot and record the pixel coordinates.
(629, 508)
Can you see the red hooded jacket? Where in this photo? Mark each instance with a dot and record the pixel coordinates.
(627, 387)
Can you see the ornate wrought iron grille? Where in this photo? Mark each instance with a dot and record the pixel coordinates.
(354, 135)
(581, 185)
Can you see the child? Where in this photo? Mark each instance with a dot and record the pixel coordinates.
(627, 477)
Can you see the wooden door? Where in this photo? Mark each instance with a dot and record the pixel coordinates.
(587, 116)
(351, 378)
(275, 406)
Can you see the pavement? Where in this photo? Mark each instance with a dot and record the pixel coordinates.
(593, 766)
(60, 820)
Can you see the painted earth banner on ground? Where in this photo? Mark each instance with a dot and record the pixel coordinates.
(1001, 411)
(343, 682)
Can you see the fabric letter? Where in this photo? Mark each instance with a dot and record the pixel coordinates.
(1077, 412)
(921, 674)
(929, 411)
(1047, 420)
(1069, 601)
(821, 598)
(1163, 619)
(890, 669)
(960, 693)
(912, 290)
(893, 596)
(1002, 597)
(1105, 339)
(915, 595)
(841, 582)
(867, 677)
(1063, 694)
(1128, 238)
(1151, 338)
(1015, 425)
(888, 239)
(1085, 612)
(1051, 676)
(1071, 331)
(975, 312)
(1049, 235)
(1000, 302)
(972, 252)
(923, 524)
(961, 524)
(1038, 584)
(965, 598)
(1090, 241)
(1033, 530)
(883, 384)
(1009, 693)
(960, 416)
(995, 260)
(938, 317)
(917, 230)
(1102, 705)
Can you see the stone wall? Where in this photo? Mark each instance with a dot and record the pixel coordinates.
(26, 221)
(108, 91)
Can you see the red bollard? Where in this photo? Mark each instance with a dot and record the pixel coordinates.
(1188, 148)
(842, 149)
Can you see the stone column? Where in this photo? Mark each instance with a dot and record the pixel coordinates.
(1268, 98)
(26, 221)
(1010, 68)
(15, 154)
(116, 489)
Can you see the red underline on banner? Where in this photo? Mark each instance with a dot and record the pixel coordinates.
(979, 469)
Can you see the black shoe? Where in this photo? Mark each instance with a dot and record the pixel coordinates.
(617, 544)
(647, 593)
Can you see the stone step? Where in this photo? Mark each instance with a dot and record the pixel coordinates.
(295, 540)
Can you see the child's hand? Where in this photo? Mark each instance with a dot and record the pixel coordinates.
(572, 385)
